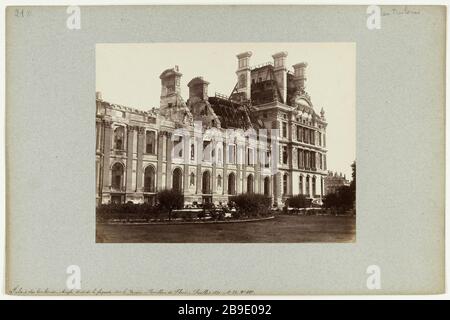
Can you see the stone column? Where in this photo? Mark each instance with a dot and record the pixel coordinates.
(257, 166)
(186, 157)
(98, 134)
(244, 169)
(169, 149)
(199, 158)
(106, 156)
(239, 180)
(277, 189)
(225, 170)
(290, 187)
(140, 152)
(130, 134)
(213, 181)
(160, 161)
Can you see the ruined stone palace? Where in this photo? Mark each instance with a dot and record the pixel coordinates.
(135, 155)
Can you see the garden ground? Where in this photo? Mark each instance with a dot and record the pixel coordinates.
(282, 229)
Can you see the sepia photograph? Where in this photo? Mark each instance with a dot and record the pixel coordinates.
(240, 150)
(225, 142)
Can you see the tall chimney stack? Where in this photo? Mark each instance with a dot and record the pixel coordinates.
(280, 71)
(299, 75)
(170, 87)
(198, 89)
(243, 74)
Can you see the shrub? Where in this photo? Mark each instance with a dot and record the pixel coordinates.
(127, 211)
(298, 201)
(235, 214)
(169, 200)
(252, 204)
(343, 199)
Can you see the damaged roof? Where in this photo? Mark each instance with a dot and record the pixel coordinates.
(234, 115)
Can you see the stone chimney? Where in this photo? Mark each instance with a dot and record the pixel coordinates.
(98, 95)
(243, 74)
(198, 89)
(280, 71)
(299, 75)
(170, 86)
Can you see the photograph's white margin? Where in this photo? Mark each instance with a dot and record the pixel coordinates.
(6, 3)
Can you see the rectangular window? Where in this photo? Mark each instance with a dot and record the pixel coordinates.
(299, 133)
(150, 146)
(231, 154)
(313, 160)
(284, 129)
(302, 159)
(250, 159)
(306, 159)
(178, 146)
(311, 138)
(150, 142)
(192, 151)
(207, 150)
(285, 155)
(305, 135)
(267, 160)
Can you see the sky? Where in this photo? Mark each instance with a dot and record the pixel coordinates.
(128, 74)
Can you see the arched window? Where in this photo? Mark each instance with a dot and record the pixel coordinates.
(119, 135)
(231, 183)
(267, 186)
(177, 179)
(307, 187)
(150, 142)
(206, 182)
(250, 183)
(285, 184)
(192, 179)
(300, 185)
(219, 181)
(117, 177)
(149, 179)
(314, 186)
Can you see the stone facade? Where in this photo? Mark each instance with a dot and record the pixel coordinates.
(139, 152)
